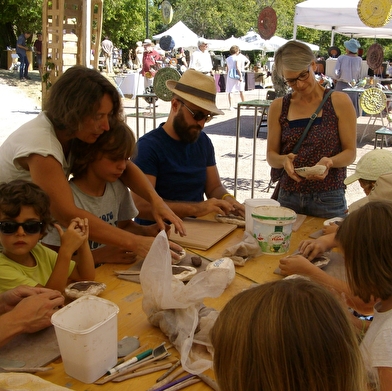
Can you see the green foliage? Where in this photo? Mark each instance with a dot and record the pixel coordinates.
(124, 21)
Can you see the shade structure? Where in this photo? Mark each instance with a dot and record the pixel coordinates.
(337, 16)
(225, 45)
(182, 35)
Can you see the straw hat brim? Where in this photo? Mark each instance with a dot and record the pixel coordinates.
(205, 104)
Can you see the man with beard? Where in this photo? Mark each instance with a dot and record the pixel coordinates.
(179, 159)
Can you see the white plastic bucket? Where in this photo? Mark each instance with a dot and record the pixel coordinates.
(272, 227)
(250, 205)
(86, 331)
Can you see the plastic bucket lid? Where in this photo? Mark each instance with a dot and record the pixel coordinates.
(274, 214)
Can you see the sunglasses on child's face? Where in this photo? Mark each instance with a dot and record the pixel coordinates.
(29, 227)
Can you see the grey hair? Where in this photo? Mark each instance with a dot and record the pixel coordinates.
(293, 56)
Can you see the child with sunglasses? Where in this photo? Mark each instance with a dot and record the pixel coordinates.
(24, 219)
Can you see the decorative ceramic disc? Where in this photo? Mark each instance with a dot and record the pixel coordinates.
(166, 43)
(373, 101)
(160, 89)
(267, 23)
(375, 56)
(167, 12)
(374, 13)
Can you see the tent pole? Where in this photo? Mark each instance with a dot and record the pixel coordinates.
(332, 35)
(295, 31)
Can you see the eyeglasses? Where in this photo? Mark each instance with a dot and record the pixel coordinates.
(30, 227)
(198, 116)
(302, 77)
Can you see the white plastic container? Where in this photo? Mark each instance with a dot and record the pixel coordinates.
(250, 205)
(272, 227)
(86, 331)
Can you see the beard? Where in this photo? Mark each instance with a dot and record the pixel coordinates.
(187, 134)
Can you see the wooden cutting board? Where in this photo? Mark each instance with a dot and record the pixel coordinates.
(201, 234)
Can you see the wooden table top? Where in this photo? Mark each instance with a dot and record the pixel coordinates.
(132, 321)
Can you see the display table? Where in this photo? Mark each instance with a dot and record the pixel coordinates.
(133, 321)
(145, 115)
(330, 64)
(130, 83)
(257, 105)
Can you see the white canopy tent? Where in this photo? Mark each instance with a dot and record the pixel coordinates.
(337, 16)
(182, 35)
(270, 45)
(226, 44)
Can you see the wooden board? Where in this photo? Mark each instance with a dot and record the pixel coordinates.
(35, 350)
(201, 234)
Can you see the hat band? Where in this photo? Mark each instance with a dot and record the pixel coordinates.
(195, 91)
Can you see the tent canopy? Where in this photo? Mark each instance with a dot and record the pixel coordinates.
(338, 16)
(182, 35)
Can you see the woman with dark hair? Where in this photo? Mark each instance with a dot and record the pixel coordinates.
(81, 106)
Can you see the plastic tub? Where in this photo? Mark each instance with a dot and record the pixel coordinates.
(272, 227)
(86, 331)
(250, 205)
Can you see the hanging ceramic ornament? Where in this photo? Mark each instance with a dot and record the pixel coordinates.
(374, 13)
(167, 12)
(267, 23)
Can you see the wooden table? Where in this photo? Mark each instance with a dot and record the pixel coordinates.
(132, 320)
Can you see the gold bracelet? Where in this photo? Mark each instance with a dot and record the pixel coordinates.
(227, 195)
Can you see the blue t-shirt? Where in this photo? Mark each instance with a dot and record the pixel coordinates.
(179, 168)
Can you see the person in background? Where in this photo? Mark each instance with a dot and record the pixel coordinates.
(286, 335)
(200, 59)
(96, 188)
(348, 69)
(150, 63)
(139, 54)
(237, 63)
(107, 48)
(38, 52)
(21, 49)
(365, 239)
(81, 105)
(182, 64)
(24, 219)
(26, 309)
(330, 141)
(178, 157)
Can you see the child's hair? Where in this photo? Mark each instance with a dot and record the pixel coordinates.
(365, 238)
(18, 193)
(288, 335)
(117, 143)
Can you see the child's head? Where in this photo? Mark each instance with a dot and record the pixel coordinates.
(286, 335)
(16, 194)
(117, 144)
(365, 238)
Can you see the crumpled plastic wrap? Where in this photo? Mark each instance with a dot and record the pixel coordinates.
(246, 249)
(177, 308)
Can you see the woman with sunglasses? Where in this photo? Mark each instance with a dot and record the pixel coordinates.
(330, 141)
(24, 219)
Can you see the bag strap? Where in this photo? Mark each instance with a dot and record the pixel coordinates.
(312, 118)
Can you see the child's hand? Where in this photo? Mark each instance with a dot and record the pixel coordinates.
(331, 228)
(75, 235)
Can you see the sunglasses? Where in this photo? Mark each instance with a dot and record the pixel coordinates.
(29, 227)
(198, 116)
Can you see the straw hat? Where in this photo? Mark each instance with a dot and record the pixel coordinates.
(197, 88)
(372, 165)
(352, 45)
